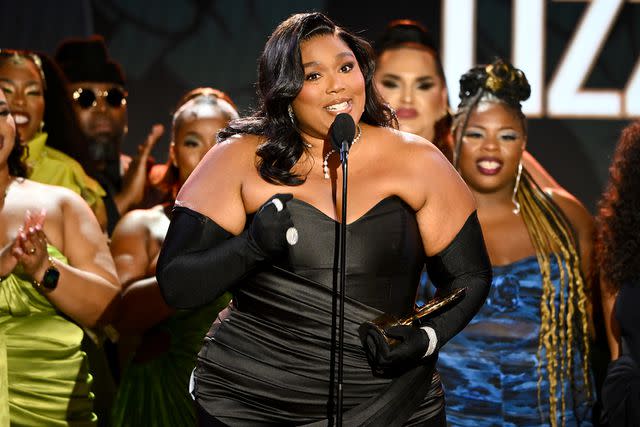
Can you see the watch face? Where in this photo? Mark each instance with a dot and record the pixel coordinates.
(50, 279)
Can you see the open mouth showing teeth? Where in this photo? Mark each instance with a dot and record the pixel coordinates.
(489, 164)
(20, 119)
(338, 107)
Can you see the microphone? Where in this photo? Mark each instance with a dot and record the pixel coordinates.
(341, 133)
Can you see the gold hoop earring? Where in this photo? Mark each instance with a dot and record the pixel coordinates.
(516, 210)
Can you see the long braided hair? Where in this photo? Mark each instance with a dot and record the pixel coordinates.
(563, 327)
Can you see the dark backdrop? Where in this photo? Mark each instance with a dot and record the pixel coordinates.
(168, 47)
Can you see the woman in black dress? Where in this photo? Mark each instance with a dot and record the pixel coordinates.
(270, 360)
(618, 256)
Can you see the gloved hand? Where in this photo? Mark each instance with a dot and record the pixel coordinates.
(408, 349)
(267, 232)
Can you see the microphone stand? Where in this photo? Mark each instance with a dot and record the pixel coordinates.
(344, 155)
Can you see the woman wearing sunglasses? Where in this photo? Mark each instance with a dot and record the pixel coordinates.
(36, 93)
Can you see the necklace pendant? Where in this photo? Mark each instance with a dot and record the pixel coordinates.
(325, 163)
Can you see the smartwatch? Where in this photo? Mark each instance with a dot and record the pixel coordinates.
(50, 278)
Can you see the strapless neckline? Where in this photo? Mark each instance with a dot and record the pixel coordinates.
(522, 261)
(367, 213)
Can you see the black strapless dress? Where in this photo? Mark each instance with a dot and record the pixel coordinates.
(269, 360)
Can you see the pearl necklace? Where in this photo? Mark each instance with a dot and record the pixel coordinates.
(325, 163)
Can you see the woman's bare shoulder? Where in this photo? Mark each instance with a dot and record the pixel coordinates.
(47, 195)
(409, 144)
(236, 150)
(214, 188)
(227, 161)
(141, 219)
(577, 214)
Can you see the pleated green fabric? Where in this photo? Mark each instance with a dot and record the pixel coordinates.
(155, 392)
(44, 376)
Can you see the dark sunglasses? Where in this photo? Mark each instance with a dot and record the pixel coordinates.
(88, 97)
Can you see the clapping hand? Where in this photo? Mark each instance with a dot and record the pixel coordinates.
(30, 246)
(135, 179)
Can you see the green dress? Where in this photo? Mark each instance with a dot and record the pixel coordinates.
(155, 392)
(44, 377)
(50, 166)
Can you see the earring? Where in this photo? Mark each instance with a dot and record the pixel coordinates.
(42, 126)
(516, 210)
(291, 116)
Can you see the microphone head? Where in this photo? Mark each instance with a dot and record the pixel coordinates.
(342, 129)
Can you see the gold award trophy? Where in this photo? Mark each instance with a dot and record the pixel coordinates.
(385, 321)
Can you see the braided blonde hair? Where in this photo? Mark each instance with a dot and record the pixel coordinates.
(565, 328)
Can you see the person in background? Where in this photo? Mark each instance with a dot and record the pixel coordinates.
(154, 386)
(524, 358)
(36, 92)
(617, 255)
(56, 278)
(97, 88)
(410, 77)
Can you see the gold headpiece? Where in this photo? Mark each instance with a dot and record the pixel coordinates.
(18, 57)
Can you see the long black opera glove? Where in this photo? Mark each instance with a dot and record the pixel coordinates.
(200, 260)
(463, 263)
(409, 347)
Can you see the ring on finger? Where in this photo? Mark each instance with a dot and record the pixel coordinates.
(31, 251)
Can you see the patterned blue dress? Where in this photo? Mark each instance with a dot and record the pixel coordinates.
(489, 370)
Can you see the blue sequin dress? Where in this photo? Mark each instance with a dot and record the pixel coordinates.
(489, 370)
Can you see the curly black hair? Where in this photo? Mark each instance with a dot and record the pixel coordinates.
(280, 79)
(618, 220)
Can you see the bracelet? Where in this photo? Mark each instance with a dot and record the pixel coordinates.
(433, 340)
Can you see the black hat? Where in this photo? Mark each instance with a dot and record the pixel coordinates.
(87, 60)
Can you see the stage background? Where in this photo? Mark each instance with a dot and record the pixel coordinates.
(168, 47)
